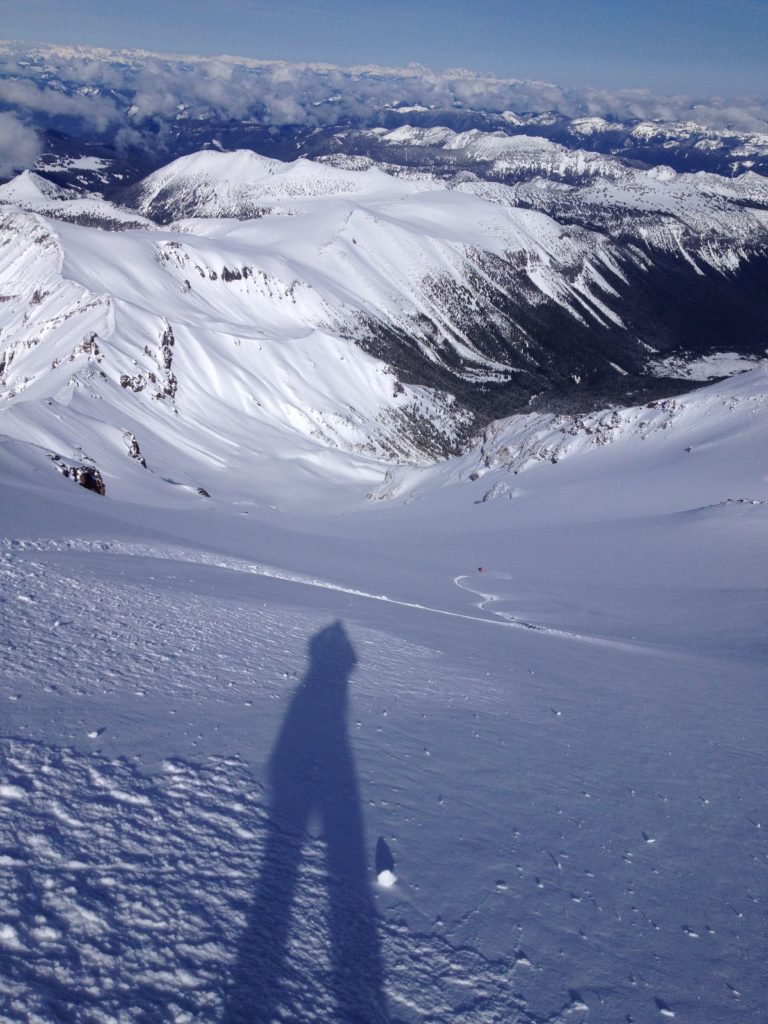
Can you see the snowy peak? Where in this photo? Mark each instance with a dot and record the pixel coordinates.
(592, 126)
(206, 184)
(241, 185)
(35, 194)
(31, 188)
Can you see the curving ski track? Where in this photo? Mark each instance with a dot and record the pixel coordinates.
(503, 619)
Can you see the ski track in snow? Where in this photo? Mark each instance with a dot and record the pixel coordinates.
(513, 620)
(240, 565)
(585, 813)
(126, 894)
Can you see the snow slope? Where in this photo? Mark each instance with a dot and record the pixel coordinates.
(291, 647)
(32, 192)
(212, 722)
(198, 349)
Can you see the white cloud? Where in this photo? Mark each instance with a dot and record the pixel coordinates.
(19, 145)
(25, 95)
(281, 93)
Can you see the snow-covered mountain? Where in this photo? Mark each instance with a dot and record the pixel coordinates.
(36, 194)
(234, 297)
(241, 185)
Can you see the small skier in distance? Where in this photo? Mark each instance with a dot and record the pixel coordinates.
(480, 568)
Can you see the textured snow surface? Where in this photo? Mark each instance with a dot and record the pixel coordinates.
(219, 730)
(548, 839)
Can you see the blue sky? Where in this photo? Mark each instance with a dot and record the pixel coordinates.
(712, 46)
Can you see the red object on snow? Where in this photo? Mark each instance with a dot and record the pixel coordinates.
(480, 568)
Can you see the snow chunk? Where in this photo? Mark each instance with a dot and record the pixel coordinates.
(9, 938)
(8, 792)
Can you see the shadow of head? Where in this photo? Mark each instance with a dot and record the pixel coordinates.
(331, 653)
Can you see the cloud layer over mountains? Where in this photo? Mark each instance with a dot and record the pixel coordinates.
(19, 144)
(124, 90)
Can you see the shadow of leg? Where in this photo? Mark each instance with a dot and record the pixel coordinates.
(255, 987)
(312, 770)
(358, 977)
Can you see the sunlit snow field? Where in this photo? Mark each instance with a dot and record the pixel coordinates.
(217, 727)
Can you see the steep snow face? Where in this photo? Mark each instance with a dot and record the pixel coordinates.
(48, 320)
(685, 425)
(31, 188)
(219, 360)
(259, 316)
(684, 434)
(626, 254)
(193, 356)
(417, 240)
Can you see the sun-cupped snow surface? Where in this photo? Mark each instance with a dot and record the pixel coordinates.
(544, 716)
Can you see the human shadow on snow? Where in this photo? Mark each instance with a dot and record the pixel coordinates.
(312, 777)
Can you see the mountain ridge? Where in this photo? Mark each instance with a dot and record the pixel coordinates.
(361, 314)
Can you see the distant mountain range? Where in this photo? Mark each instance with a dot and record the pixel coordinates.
(149, 108)
(388, 290)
